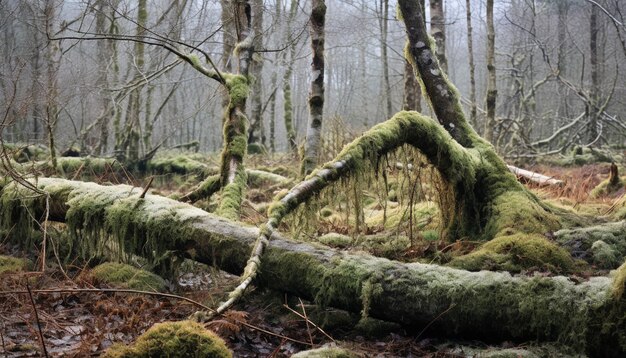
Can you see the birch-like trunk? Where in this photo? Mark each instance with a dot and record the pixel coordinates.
(438, 32)
(313, 140)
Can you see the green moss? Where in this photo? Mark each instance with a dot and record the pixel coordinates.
(176, 163)
(335, 240)
(257, 148)
(605, 256)
(331, 319)
(619, 282)
(173, 339)
(606, 188)
(515, 253)
(384, 245)
(232, 196)
(326, 352)
(326, 212)
(238, 88)
(262, 178)
(127, 276)
(518, 211)
(609, 240)
(425, 216)
(14, 264)
(374, 328)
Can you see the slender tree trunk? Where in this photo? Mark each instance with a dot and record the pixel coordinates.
(438, 31)
(257, 127)
(384, 33)
(592, 129)
(52, 65)
(233, 178)
(313, 140)
(102, 81)
(472, 67)
(412, 90)
(492, 92)
(288, 100)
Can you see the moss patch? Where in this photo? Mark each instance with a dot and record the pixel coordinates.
(619, 282)
(606, 188)
(609, 240)
(13, 264)
(127, 276)
(173, 339)
(519, 211)
(335, 240)
(515, 253)
(326, 352)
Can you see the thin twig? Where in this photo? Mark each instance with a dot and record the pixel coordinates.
(435, 319)
(32, 302)
(306, 320)
(145, 190)
(311, 322)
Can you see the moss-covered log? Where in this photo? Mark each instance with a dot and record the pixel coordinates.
(589, 316)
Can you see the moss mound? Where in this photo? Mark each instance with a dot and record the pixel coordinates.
(325, 352)
(127, 276)
(515, 253)
(606, 188)
(425, 216)
(173, 339)
(619, 282)
(602, 245)
(335, 240)
(13, 264)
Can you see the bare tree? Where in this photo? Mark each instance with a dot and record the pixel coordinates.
(313, 140)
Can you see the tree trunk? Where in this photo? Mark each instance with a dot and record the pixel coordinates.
(232, 172)
(492, 93)
(472, 68)
(257, 129)
(287, 102)
(484, 305)
(313, 140)
(592, 128)
(485, 190)
(384, 32)
(438, 31)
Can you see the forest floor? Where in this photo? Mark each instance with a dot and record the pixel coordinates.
(265, 324)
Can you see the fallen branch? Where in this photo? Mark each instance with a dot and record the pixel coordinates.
(536, 178)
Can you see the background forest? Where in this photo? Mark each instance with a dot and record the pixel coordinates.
(554, 60)
(265, 177)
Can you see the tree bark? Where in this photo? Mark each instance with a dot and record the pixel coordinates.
(287, 102)
(412, 93)
(384, 32)
(257, 127)
(592, 128)
(482, 305)
(438, 31)
(472, 68)
(492, 92)
(313, 140)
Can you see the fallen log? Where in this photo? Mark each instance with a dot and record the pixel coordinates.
(490, 306)
(536, 178)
